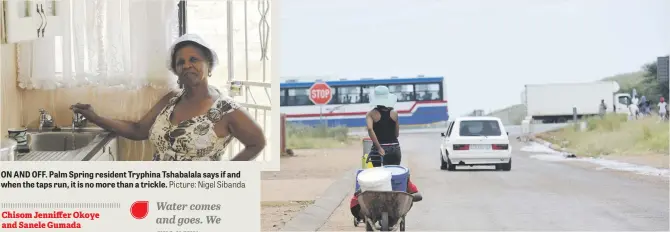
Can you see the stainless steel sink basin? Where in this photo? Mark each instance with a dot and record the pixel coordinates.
(65, 144)
(60, 141)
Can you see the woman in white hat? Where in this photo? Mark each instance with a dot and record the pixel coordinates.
(196, 122)
(383, 127)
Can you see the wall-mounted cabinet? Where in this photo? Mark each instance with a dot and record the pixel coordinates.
(25, 20)
(109, 152)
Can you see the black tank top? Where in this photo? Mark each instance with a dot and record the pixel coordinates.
(385, 127)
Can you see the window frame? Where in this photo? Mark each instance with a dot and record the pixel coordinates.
(440, 91)
(412, 96)
(337, 93)
(283, 97)
(307, 103)
(497, 123)
(363, 89)
(450, 128)
(181, 14)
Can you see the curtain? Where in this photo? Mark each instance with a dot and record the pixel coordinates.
(122, 43)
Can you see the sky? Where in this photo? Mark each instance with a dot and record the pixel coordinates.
(486, 49)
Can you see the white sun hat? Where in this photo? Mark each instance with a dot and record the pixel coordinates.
(193, 38)
(383, 97)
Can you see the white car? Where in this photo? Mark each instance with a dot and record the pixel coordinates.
(476, 141)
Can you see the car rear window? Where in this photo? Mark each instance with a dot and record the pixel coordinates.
(480, 128)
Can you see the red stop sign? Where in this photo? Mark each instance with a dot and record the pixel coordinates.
(320, 93)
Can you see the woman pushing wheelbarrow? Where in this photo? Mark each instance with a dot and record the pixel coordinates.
(385, 208)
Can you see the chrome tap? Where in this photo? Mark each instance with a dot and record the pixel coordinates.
(46, 120)
(78, 121)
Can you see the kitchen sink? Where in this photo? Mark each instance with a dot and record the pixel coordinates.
(65, 144)
(60, 141)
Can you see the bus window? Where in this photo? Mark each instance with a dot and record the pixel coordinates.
(298, 97)
(349, 95)
(428, 92)
(282, 99)
(367, 92)
(404, 92)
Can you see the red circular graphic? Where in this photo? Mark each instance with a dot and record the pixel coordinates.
(139, 209)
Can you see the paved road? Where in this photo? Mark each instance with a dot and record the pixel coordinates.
(535, 195)
(512, 129)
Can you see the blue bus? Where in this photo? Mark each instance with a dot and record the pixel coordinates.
(421, 100)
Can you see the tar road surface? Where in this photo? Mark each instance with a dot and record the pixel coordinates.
(534, 195)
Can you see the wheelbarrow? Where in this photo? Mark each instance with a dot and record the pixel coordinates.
(385, 210)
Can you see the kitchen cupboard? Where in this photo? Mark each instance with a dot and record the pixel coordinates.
(25, 20)
(109, 152)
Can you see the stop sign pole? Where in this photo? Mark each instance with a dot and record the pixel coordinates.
(320, 94)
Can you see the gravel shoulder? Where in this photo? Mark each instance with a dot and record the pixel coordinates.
(302, 179)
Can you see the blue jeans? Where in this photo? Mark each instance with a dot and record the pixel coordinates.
(392, 155)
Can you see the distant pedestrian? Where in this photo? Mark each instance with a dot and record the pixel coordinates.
(603, 108)
(663, 109)
(633, 108)
(644, 106)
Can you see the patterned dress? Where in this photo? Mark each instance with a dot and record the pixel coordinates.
(192, 139)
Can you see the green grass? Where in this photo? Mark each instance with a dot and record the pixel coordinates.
(307, 137)
(614, 135)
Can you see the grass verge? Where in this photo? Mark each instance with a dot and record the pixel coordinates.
(307, 137)
(614, 135)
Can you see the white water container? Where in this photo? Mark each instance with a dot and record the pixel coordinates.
(7, 147)
(375, 179)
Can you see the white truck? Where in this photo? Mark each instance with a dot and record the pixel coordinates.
(554, 103)
(478, 112)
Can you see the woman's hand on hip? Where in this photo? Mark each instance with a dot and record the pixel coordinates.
(245, 130)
